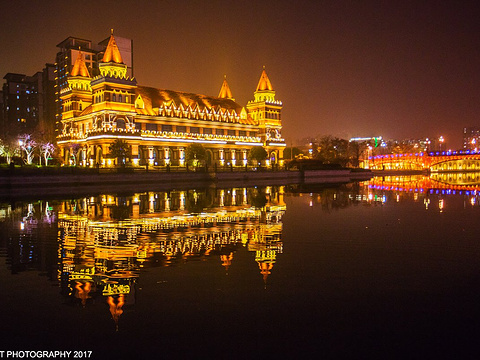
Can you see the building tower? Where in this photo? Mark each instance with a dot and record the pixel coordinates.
(225, 92)
(77, 95)
(113, 95)
(266, 112)
(92, 54)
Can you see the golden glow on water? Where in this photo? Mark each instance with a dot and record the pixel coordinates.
(106, 240)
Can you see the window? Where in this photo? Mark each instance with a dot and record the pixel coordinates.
(220, 132)
(181, 129)
(120, 98)
(242, 133)
(167, 128)
(114, 97)
(231, 132)
(138, 126)
(151, 127)
(194, 130)
(120, 124)
(207, 130)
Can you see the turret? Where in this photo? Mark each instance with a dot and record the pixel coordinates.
(225, 92)
(78, 94)
(113, 89)
(266, 111)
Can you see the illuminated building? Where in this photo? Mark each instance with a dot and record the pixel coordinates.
(159, 124)
(92, 53)
(471, 138)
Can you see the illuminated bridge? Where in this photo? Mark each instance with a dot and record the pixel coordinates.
(445, 161)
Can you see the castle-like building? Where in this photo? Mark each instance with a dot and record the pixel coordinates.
(160, 124)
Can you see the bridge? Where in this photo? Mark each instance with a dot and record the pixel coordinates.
(436, 183)
(445, 161)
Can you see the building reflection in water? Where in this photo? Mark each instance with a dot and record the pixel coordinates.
(96, 247)
(106, 240)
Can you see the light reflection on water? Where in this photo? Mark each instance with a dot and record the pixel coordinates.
(306, 262)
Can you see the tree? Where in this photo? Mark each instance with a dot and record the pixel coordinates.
(28, 145)
(333, 150)
(257, 154)
(120, 150)
(291, 152)
(195, 154)
(47, 149)
(9, 150)
(355, 151)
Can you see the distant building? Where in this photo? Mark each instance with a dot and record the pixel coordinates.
(471, 138)
(28, 104)
(160, 124)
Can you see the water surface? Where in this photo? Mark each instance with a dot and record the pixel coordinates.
(383, 268)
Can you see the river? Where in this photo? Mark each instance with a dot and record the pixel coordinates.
(385, 268)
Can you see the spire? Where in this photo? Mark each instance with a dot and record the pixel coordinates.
(112, 53)
(225, 92)
(264, 83)
(80, 68)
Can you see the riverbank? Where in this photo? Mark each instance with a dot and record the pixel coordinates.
(18, 185)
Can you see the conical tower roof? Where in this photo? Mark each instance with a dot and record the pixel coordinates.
(225, 92)
(80, 68)
(264, 82)
(112, 53)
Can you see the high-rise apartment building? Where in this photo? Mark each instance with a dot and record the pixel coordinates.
(471, 138)
(28, 104)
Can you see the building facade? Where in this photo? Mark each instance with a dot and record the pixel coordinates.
(28, 104)
(471, 138)
(160, 124)
(92, 54)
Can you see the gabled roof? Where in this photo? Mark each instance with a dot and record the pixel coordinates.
(156, 98)
(264, 82)
(112, 53)
(225, 92)
(80, 68)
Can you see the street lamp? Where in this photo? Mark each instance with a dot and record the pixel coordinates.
(441, 140)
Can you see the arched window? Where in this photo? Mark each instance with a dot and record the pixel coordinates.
(120, 124)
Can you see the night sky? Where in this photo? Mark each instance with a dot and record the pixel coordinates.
(405, 69)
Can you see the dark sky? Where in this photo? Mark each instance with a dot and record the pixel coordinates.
(401, 69)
